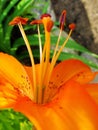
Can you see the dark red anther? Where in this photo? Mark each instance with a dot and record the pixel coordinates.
(18, 20)
(72, 26)
(62, 19)
(45, 15)
(36, 21)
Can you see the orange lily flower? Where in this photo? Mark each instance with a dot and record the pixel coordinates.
(53, 96)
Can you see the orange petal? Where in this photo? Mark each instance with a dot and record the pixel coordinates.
(8, 95)
(66, 70)
(71, 109)
(92, 90)
(85, 77)
(13, 72)
(43, 116)
(79, 105)
(29, 72)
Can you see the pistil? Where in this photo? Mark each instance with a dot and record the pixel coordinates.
(45, 58)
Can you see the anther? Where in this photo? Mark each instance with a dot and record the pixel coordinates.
(36, 21)
(45, 15)
(62, 19)
(18, 20)
(72, 26)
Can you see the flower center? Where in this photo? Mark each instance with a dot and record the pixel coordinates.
(45, 65)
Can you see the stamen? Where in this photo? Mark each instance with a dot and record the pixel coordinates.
(40, 44)
(40, 71)
(42, 59)
(62, 19)
(72, 26)
(55, 57)
(17, 20)
(31, 58)
(45, 54)
(36, 22)
(62, 22)
(54, 54)
(44, 64)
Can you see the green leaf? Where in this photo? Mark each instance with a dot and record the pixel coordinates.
(64, 56)
(11, 120)
(7, 9)
(70, 44)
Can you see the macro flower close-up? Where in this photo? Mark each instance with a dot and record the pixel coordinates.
(52, 95)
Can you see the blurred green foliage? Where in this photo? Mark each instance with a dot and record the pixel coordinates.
(8, 10)
(71, 45)
(10, 120)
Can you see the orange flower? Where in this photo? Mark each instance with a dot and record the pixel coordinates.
(53, 97)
